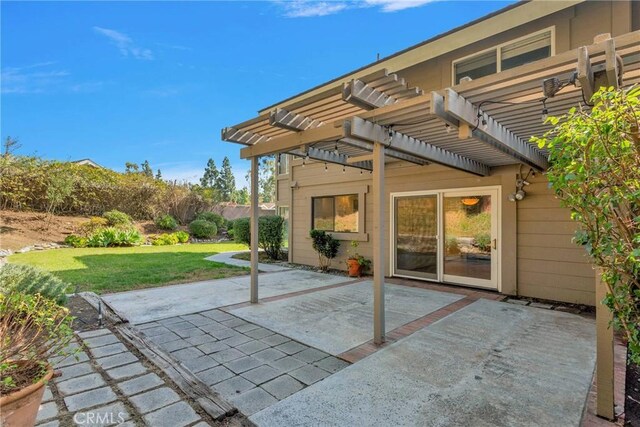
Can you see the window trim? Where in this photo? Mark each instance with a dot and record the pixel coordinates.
(286, 173)
(361, 191)
(334, 211)
(498, 49)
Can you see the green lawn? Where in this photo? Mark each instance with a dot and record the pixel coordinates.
(104, 270)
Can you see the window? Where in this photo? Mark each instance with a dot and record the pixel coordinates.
(505, 56)
(336, 213)
(283, 164)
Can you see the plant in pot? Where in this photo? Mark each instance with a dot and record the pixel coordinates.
(356, 263)
(33, 328)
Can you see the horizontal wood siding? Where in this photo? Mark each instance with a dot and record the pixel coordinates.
(550, 265)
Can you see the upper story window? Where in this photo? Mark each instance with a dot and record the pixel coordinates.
(505, 56)
(336, 213)
(283, 164)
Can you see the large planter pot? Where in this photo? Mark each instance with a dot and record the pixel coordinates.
(20, 408)
(354, 267)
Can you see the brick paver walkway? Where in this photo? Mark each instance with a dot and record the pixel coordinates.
(250, 366)
(106, 384)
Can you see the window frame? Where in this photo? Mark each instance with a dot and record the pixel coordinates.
(358, 189)
(288, 165)
(314, 198)
(498, 49)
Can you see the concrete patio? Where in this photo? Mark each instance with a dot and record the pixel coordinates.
(453, 357)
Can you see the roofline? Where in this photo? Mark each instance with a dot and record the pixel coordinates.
(552, 7)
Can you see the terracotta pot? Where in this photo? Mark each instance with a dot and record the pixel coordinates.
(354, 267)
(20, 408)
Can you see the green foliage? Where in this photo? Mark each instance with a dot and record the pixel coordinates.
(146, 169)
(217, 219)
(363, 262)
(595, 171)
(228, 224)
(115, 218)
(31, 280)
(92, 225)
(482, 241)
(203, 229)
(30, 183)
(242, 230)
(166, 222)
(326, 247)
(271, 235)
(33, 328)
(241, 196)
(166, 239)
(227, 182)
(114, 237)
(183, 236)
(75, 241)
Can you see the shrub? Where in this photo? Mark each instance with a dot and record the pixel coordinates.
(75, 241)
(326, 247)
(166, 222)
(482, 241)
(595, 172)
(228, 224)
(116, 218)
(271, 235)
(111, 236)
(31, 280)
(33, 329)
(165, 239)
(217, 219)
(183, 236)
(242, 230)
(203, 229)
(94, 223)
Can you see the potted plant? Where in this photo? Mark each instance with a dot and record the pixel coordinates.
(33, 328)
(356, 263)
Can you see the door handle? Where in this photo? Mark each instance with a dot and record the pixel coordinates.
(494, 244)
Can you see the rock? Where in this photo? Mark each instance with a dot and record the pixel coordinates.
(5, 252)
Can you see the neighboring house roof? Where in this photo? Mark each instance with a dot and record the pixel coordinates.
(87, 162)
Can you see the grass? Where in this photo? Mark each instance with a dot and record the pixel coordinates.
(105, 270)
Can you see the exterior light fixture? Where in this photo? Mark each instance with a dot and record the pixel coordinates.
(545, 112)
(447, 127)
(519, 194)
(484, 123)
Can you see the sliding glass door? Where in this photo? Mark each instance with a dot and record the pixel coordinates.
(416, 236)
(447, 236)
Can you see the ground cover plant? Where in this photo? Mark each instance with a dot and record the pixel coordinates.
(595, 171)
(104, 270)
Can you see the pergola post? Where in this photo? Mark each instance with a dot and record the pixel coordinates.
(379, 260)
(255, 211)
(604, 353)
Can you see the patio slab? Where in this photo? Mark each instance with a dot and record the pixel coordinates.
(227, 258)
(488, 364)
(339, 319)
(169, 301)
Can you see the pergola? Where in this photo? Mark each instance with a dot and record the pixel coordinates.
(472, 127)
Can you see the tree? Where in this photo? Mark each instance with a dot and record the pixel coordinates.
(146, 169)
(267, 179)
(211, 175)
(242, 196)
(131, 168)
(595, 171)
(9, 146)
(158, 175)
(226, 180)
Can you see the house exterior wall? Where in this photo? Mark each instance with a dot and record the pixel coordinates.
(538, 257)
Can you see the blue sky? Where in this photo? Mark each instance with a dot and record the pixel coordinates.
(135, 81)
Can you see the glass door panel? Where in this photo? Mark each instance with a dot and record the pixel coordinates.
(416, 236)
(470, 238)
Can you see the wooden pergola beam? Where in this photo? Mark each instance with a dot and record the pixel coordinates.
(360, 94)
(292, 121)
(493, 133)
(362, 129)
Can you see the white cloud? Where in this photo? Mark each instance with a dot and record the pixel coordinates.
(311, 8)
(34, 78)
(395, 5)
(125, 44)
(306, 9)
